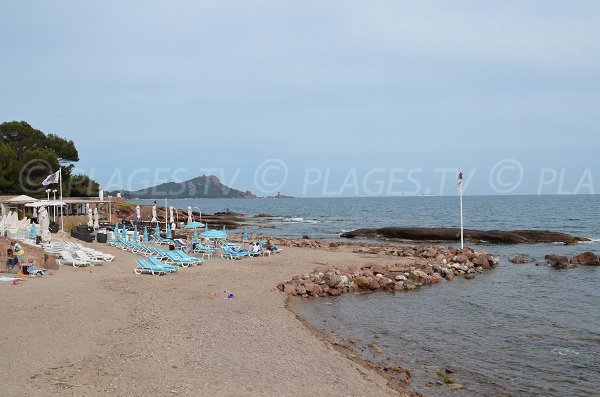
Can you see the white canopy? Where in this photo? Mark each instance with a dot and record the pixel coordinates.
(45, 203)
(22, 199)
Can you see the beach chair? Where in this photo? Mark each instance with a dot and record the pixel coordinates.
(160, 241)
(154, 261)
(229, 253)
(67, 259)
(144, 267)
(185, 256)
(225, 243)
(173, 258)
(84, 257)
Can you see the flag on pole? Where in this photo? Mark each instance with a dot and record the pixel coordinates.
(459, 180)
(52, 178)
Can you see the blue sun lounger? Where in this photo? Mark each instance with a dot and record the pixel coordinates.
(144, 267)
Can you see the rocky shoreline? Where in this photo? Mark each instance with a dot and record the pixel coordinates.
(415, 266)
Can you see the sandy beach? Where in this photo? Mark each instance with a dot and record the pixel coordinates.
(103, 330)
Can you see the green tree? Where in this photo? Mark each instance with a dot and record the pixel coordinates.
(28, 155)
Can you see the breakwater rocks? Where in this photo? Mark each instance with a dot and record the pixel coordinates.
(475, 236)
(416, 266)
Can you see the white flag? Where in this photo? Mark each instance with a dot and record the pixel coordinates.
(52, 178)
(459, 180)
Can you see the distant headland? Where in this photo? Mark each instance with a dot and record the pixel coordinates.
(206, 186)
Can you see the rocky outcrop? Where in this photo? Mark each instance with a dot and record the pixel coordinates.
(558, 261)
(563, 262)
(586, 258)
(415, 267)
(40, 258)
(453, 235)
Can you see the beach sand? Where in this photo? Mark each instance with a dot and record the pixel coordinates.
(105, 331)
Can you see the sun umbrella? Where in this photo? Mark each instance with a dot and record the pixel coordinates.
(245, 236)
(96, 224)
(32, 232)
(193, 225)
(153, 213)
(135, 234)
(172, 219)
(90, 220)
(206, 227)
(168, 231)
(157, 231)
(195, 240)
(190, 219)
(34, 214)
(138, 213)
(116, 231)
(214, 234)
(145, 235)
(124, 233)
(44, 222)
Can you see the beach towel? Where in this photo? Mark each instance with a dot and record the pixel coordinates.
(13, 280)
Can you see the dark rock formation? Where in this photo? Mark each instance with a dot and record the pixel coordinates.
(558, 261)
(586, 258)
(451, 234)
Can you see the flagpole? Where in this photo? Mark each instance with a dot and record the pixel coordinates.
(166, 216)
(62, 221)
(462, 241)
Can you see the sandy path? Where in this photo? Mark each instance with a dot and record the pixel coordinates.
(106, 331)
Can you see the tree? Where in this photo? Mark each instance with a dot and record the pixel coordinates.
(28, 155)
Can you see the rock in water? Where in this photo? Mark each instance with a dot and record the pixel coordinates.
(558, 261)
(586, 258)
(520, 259)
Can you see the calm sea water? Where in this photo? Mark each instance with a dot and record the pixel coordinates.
(517, 330)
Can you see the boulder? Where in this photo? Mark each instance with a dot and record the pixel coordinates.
(374, 284)
(362, 282)
(289, 289)
(335, 291)
(436, 278)
(384, 282)
(558, 261)
(586, 258)
(470, 276)
(409, 285)
(378, 269)
(520, 259)
(331, 280)
(481, 261)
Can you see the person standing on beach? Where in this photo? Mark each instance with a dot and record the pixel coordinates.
(11, 261)
(18, 250)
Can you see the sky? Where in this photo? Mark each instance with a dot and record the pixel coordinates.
(314, 98)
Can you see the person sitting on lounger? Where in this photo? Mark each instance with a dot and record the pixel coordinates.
(30, 268)
(256, 248)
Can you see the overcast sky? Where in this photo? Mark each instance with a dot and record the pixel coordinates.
(314, 98)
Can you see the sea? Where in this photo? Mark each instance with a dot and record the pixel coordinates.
(515, 330)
